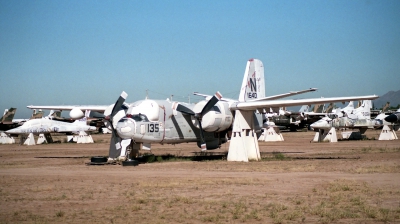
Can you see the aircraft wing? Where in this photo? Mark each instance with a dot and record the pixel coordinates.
(208, 97)
(98, 108)
(291, 93)
(266, 104)
(274, 97)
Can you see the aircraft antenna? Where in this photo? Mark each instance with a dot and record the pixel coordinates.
(171, 97)
(147, 94)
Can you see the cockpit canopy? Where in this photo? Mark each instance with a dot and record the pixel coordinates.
(138, 117)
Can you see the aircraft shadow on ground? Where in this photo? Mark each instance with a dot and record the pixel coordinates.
(198, 156)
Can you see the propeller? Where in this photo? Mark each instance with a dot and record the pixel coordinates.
(115, 144)
(198, 116)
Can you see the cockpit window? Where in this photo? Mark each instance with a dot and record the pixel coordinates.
(138, 117)
(216, 109)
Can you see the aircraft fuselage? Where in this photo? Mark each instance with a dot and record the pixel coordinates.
(150, 121)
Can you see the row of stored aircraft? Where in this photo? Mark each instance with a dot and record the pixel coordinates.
(138, 125)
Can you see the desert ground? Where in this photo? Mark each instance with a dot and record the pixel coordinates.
(296, 182)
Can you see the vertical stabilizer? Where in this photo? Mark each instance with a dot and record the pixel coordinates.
(362, 112)
(348, 109)
(37, 115)
(329, 108)
(253, 85)
(8, 115)
(318, 108)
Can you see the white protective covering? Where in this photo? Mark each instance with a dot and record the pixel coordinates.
(243, 145)
(30, 140)
(387, 133)
(271, 134)
(124, 144)
(41, 139)
(324, 136)
(84, 138)
(5, 139)
(106, 131)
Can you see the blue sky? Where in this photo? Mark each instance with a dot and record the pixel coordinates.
(87, 52)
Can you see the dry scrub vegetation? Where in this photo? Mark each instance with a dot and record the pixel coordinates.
(296, 182)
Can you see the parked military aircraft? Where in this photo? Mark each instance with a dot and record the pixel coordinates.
(358, 118)
(207, 122)
(45, 125)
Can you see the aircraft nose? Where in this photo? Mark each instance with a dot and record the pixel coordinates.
(126, 128)
(12, 131)
(319, 125)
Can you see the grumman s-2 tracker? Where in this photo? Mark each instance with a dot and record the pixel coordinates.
(137, 125)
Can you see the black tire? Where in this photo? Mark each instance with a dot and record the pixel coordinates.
(130, 163)
(98, 159)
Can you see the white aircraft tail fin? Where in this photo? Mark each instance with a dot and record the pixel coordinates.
(350, 105)
(364, 111)
(253, 85)
(348, 109)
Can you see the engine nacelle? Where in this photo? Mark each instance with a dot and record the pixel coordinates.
(219, 118)
(76, 113)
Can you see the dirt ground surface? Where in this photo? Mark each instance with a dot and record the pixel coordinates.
(296, 182)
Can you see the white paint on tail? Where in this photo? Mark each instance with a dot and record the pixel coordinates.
(253, 85)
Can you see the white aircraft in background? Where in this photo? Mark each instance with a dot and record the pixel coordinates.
(47, 125)
(208, 122)
(359, 118)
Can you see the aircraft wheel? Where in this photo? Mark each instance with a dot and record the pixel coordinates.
(98, 159)
(130, 163)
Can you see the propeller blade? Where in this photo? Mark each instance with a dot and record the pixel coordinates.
(115, 143)
(119, 103)
(217, 96)
(203, 145)
(184, 110)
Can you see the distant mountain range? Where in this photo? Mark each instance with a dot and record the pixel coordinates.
(392, 96)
